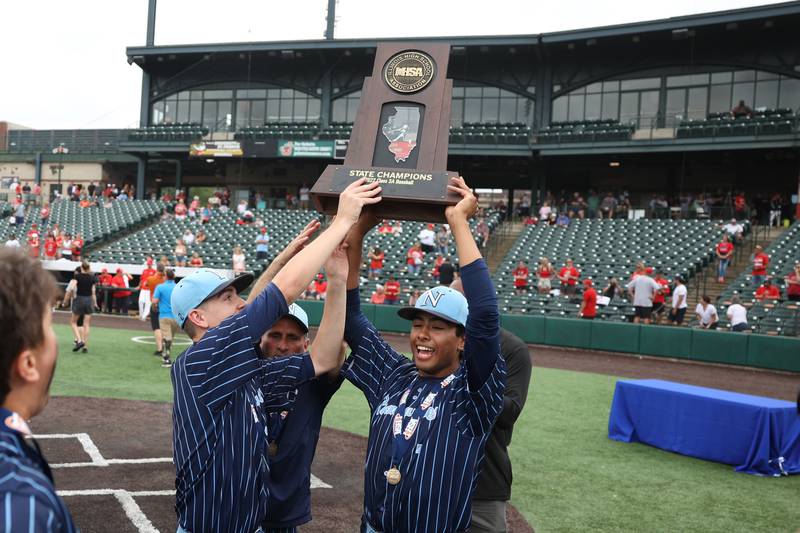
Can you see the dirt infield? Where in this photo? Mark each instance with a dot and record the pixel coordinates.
(124, 479)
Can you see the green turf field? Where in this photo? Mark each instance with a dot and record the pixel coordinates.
(568, 475)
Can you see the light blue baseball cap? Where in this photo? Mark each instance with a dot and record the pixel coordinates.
(299, 315)
(193, 290)
(443, 302)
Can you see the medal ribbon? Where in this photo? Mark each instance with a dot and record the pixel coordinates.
(275, 423)
(401, 443)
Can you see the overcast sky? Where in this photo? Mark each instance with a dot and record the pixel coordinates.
(64, 65)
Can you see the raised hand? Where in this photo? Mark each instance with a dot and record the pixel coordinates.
(355, 197)
(299, 242)
(467, 206)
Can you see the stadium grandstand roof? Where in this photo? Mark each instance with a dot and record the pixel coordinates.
(138, 54)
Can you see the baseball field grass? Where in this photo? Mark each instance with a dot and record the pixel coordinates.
(568, 476)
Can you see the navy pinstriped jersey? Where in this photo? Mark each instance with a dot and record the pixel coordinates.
(440, 471)
(290, 470)
(28, 500)
(222, 389)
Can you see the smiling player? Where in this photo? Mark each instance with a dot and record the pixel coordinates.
(430, 418)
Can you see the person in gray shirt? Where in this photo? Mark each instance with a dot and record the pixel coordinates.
(642, 289)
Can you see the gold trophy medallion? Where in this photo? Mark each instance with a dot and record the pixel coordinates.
(393, 476)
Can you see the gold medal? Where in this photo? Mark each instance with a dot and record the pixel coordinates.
(273, 449)
(393, 476)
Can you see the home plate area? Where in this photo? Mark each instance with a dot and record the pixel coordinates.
(112, 463)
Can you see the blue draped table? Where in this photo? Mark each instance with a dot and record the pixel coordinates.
(751, 433)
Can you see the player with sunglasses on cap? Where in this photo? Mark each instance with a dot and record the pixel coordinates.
(430, 417)
(223, 388)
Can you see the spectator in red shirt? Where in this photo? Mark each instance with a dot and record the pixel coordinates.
(724, 253)
(121, 280)
(33, 241)
(768, 291)
(660, 297)
(44, 213)
(376, 258)
(436, 264)
(392, 291)
(521, 278)
(77, 247)
(414, 259)
(740, 206)
(386, 228)
(320, 287)
(50, 248)
(760, 264)
(793, 284)
(144, 294)
(180, 210)
(568, 275)
(588, 308)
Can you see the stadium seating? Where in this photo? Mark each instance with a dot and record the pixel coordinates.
(395, 248)
(337, 130)
(187, 132)
(76, 141)
(601, 249)
(96, 224)
(585, 131)
(767, 122)
(281, 130)
(470, 133)
(768, 317)
(222, 234)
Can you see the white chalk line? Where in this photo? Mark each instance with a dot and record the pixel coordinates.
(126, 499)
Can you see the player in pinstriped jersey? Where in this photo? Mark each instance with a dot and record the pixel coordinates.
(27, 364)
(430, 418)
(223, 389)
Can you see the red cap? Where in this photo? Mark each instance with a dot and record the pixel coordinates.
(119, 271)
(430, 226)
(104, 271)
(320, 276)
(263, 229)
(587, 282)
(149, 261)
(648, 270)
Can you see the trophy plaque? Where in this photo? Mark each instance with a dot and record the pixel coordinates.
(400, 136)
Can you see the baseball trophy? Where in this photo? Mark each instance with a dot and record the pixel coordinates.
(400, 136)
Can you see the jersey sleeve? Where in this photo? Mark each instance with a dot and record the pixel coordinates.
(372, 360)
(281, 376)
(226, 357)
(32, 512)
(482, 344)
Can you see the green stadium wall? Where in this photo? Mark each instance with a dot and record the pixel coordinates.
(761, 351)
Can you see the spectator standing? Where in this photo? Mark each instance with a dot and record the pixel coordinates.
(19, 213)
(50, 248)
(34, 244)
(545, 210)
(741, 110)
(414, 258)
(77, 247)
(238, 260)
(443, 241)
(180, 210)
(643, 289)
(121, 283)
(660, 298)
(569, 276)
(150, 286)
(793, 284)
(775, 209)
(180, 253)
(305, 196)
(262, 245)
(392, 291)
(376, 258)
(378, 296)
(427, 239)
(66, 247)
(706, 313)
(613, 289)
(679, 297)
(104, 283)
(521, 274)
(385, 228)
(201, 237)
(724, 254)
(592, 204)
(482, 231)
(144, 294)
(162, 299)
(588, 308)
(447, 272)
(737, 314)
(768, 291)
(44, 213)
(188, 237)
(544, 275)
(83, 305)
(740, 206)
(397, 228)
(760, 264)
(12, 242)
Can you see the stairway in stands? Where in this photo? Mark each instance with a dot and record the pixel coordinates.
(501, 241)
(741, 263)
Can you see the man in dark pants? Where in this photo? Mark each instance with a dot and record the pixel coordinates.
(494, 483)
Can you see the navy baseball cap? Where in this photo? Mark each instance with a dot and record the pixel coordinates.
(199, 286)
(443, 302)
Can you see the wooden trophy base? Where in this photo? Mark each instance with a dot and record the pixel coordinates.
(407, 194)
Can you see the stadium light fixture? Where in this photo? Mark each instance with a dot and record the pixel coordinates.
(209, 160)
(614, 164)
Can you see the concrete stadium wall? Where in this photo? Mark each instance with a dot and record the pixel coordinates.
(761, 351)
(71, 173)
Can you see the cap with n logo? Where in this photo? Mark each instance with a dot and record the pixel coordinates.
(442, 302)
